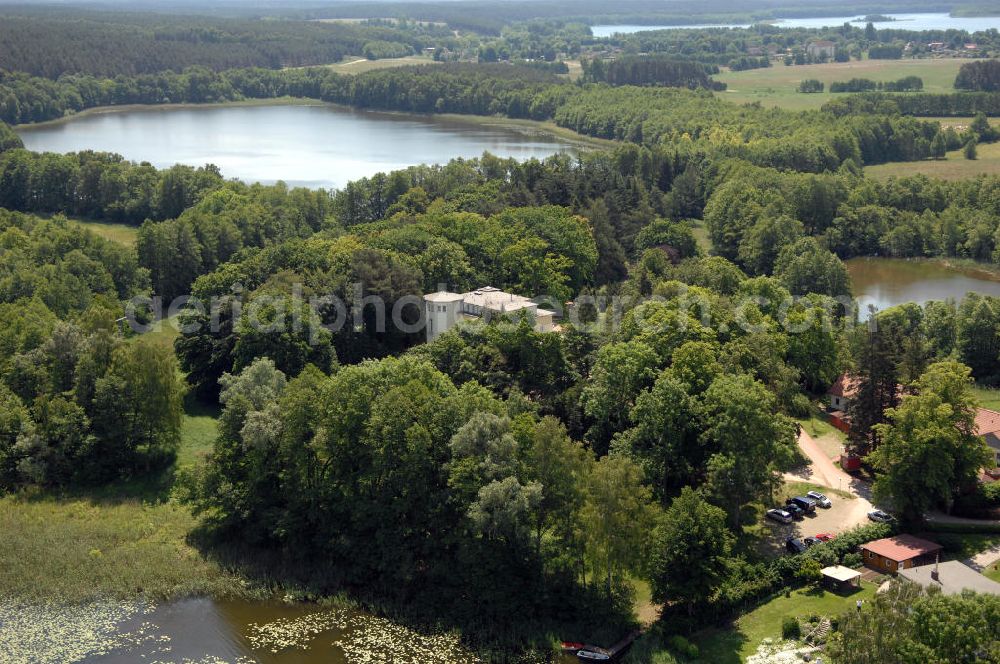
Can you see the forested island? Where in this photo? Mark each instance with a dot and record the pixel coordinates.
(659, 420)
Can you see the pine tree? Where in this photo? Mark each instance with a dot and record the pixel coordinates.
(938, 146)
(970, 149)
(877, 390)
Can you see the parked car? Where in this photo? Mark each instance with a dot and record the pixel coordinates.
(879, 516)
(811, 541)
(808, 505)
(795, 545)
(825, 537)
(796, 511)
(820, 499)
(779, 515)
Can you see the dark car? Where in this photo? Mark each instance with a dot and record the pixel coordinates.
(795, 545)
(878, 516)
(793, 509)
(808, 505)
(812, 541)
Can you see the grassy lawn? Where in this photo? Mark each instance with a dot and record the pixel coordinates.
(954, 167)
(993, 573)
(959, 546)
(776, 86)
(735, 644)
(120, 233)
(791, 489)
(701, 236)
(830, 439)
(163, 333)
(987, 396)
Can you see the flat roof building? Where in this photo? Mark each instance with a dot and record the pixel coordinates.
(950, 577)
(444, 309)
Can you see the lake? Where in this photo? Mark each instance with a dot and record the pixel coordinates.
(922, 21)
(201, 630)
(206, 631)
(304, 145)
(886, 282)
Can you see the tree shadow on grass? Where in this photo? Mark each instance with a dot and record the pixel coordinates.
(720, 645)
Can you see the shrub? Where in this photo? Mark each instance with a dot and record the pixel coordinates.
(970, 149)
(983, 76)
(854, 85)
(991, 493)
(683, 647)
(811, 85)
(852, 560)
(810, 572)
(790, 628)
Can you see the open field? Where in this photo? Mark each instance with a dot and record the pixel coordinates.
(734, 645)
(954, 167)
(993, 573)
(776, 86)
(358, 65)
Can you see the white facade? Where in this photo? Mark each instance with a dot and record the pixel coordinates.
(443, 309)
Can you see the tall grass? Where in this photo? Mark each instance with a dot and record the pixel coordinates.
(76, 549)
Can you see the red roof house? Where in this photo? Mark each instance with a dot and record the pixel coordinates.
(988, 426)
(900, 552)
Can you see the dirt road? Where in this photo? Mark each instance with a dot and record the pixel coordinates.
(846, 513)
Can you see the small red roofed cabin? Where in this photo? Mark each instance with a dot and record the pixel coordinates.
(892, 554)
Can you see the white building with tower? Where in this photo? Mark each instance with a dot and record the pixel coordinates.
(444, 310)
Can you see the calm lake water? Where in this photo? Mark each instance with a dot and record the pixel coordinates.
(207, 631)
(886, 282)
(923, 21)
(313, 146)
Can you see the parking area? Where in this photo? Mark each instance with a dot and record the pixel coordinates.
(845, 513)
(849, 498)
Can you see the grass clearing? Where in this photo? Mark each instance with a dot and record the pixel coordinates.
(735, 644)
(120, 233)
(777, 85)
(700, 233)
(993, 572)
(953, 167)
(988, 397)
(360, 64)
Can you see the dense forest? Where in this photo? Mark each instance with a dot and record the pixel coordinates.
(50, 43)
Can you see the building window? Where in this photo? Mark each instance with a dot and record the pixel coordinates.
(888, 563)
(900, 565)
